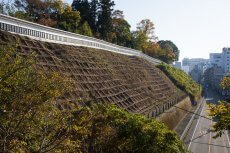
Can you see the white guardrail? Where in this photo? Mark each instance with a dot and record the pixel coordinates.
(48, 34)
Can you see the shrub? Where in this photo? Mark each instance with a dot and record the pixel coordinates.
(182, 80)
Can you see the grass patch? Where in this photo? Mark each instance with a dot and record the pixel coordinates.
(182, 80)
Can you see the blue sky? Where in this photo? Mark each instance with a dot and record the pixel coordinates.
(197, 27)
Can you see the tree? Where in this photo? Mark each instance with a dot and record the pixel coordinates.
(147, 27)
(153, 50)
(105, 18)
(69, 20)
(88, 12)
(30, 120)
(140, 41)
(6, 7)
(46, 12)
(170, 47)
(221, 112)
(118, 14)
(93, 13)
(86, 30)
(144, 35)
(111, 129)
(82, 6)
(120, 30)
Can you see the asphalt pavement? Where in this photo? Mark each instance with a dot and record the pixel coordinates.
(201, 138)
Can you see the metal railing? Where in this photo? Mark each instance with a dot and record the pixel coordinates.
(48, 34)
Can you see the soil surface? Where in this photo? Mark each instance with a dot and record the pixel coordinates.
(131, 83)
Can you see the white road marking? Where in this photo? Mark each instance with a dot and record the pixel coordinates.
(209, 142)
(228, 138)
(196, 127)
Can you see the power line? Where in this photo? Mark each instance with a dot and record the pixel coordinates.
(191, 140)
(211, 144)
(193, 113)
(180, 108)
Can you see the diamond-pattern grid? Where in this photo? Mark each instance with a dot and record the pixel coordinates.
(130, 82)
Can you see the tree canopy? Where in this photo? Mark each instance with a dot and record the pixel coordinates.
(221, 112)
(170, 47)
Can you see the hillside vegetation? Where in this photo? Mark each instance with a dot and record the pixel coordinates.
(31, 121)
(131, 83)
(182, 80)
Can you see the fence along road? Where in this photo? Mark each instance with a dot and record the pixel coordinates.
(48, 34)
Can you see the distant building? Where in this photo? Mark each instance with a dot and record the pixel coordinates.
(216, 59)
(218, 67)
(185, 69)
(195, 67)
(193, 62)
(226, 59)
(213, 76)
(185, 62)
(221, 59)
(177, 65)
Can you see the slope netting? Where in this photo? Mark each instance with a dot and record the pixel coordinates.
(101, 76)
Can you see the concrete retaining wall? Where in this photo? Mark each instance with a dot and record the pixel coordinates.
(174, 115)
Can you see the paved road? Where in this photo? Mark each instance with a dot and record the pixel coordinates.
(201, 140)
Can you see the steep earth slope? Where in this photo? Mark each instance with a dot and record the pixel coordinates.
(101, 76)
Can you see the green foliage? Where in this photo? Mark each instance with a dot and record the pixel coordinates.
(121, 30)
(140, 41)
(36, 10)
(20, 15)
(221, 112)
(105, 18)
(170, 47)
(155, 50)
(144, 39)
(182, 80)
(88, 12)
(111, 129)
(69, 20)
(30, 120)
(146, 27)
(86, 30)
(82, 6)
(225, 82)
(93, 13)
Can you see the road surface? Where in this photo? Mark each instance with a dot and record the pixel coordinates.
(201, 138)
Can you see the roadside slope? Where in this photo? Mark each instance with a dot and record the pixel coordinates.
(131, 83)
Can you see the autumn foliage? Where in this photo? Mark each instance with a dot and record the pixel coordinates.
(221, 112)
